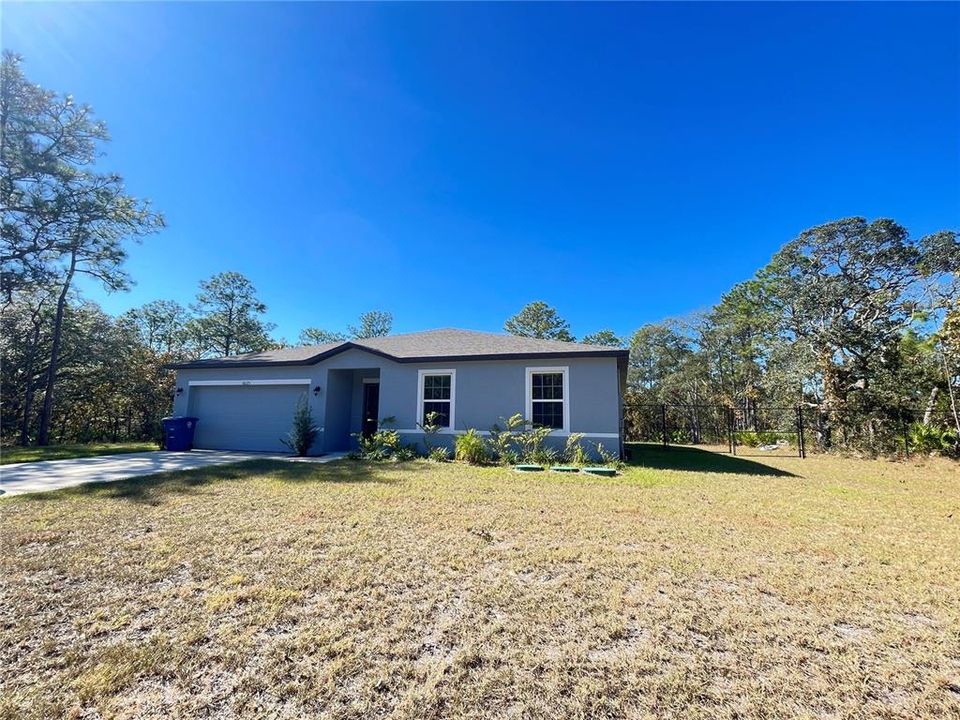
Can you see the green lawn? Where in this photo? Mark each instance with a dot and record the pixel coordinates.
(17, 454)
(772, 588)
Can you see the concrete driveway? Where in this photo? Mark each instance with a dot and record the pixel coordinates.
(20, 478)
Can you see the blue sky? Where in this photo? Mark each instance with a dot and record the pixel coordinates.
(450, 163)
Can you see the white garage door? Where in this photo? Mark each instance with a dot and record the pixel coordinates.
(244, 417)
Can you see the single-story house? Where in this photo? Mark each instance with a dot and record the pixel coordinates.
(470, 379)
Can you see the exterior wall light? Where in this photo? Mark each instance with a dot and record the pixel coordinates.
(179, 391)
(316, 391)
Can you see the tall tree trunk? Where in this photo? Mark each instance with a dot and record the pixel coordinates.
(831, 398)
(43, 436)
(227, 345)
(697, 429)
(953, 396)
(828, 370)
(29, 390)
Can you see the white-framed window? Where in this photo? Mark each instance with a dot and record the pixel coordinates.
(548, 398)
(437, 393)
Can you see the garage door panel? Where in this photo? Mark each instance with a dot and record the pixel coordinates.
(244, 417)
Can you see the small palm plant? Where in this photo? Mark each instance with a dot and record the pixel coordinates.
(503, 440)
(470, 448)
(431, 426)
(932, 439)
(574, 452)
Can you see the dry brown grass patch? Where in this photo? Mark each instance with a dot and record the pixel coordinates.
(425, 590)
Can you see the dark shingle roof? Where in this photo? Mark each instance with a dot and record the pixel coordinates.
(284, 356)
(431, 345)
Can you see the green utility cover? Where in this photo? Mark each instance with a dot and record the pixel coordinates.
(528, 468)
(605, 471)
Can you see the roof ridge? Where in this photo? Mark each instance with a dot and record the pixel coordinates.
(334, 344)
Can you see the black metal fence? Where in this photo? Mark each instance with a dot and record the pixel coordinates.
(764, 430)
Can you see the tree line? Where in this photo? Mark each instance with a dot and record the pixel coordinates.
(854, 320)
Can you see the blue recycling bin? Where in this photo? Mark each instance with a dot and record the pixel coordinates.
(178, 433)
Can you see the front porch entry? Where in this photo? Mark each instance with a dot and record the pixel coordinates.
(352, 406)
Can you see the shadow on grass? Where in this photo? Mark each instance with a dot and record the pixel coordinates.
(696, 460)
(151, 489)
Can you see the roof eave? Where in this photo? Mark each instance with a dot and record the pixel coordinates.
(237, 364)
(313, 360)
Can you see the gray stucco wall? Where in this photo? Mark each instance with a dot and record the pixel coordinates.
(485, 392)
(337, 410)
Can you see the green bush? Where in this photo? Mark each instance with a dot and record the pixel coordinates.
(405, 453)
(517, 441)
(384, 444)
(470, 448)
(932, 439)
(752, 438)
(303, 433)
(439, 453)
(381, 445)
(531, 446)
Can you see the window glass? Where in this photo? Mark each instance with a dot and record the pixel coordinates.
(548, 386)
(546, 394)
(548, 414)
(441, 408)
(437, 397)
(436, 387)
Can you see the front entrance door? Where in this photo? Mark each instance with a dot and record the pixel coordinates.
(371, 408)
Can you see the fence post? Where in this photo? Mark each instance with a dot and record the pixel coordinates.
(726, 421)
(663, 423)
(801, 448)
(733, 430)
(731, 438)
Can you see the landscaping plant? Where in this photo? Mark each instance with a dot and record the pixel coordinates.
(471, 448)
(503, 443)
(431, 426)
(304, 432)
(439, 453)
(532, 448)
(573, 452)
(384, 444)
